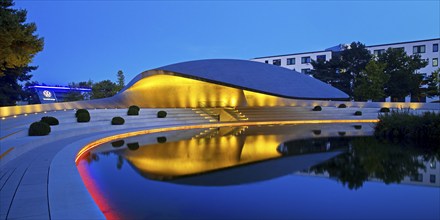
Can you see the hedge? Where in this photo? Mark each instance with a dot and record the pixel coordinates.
(161, 114)
(81, 111)
(39, 128)
(83, 117)
(161, 140)
(118, 120)
(342, 106)
(317, 108)
(384, 109)
(359, 113)
(119, 143)
(50, 120)
(133, 146)
(133, 110)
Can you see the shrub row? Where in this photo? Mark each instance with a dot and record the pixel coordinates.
(82, 115)
(403, 124)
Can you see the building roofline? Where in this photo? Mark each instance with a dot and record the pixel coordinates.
(405, 42)
(377, 45)
(292, 54)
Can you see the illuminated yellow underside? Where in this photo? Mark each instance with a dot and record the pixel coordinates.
(201, 155)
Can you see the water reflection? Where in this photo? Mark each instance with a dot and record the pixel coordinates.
(380, 160)
(258, 172)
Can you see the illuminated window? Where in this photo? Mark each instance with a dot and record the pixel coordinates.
(419, 49)
(432, 165)
(290, 61)
(276, 62)
(435, 62)
(305, 60)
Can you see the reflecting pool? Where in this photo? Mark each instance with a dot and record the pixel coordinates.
(331, 171)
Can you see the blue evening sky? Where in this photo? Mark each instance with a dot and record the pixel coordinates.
(94, 39)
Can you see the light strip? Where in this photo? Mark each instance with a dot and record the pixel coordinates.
(54, 87)
(98, 142)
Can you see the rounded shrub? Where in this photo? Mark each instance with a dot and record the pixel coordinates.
(39, 129)
(342, 106)
(161, 140)
(133, 110)
(317, 132)
(83, 117)
(317, 108)
(118, 120)
(161, 114)
(358, 127)
(50, 120)
(118, 143)
(133, 146)
(384, 109)
(359, 113)
(341, 133)
(81, 111)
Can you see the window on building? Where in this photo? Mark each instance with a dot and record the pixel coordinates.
(432, 178)
(276, 62)
(417, 178)
(419, 49)
(399, 48)
(320, 57)
(290, 61)
(435, 48)
(379, 52)
(432, 164)
(306, 71)
(305, 60)
(266, 61)
(434, 61)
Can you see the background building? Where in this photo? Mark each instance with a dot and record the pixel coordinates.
(301, 62)
(42, 94)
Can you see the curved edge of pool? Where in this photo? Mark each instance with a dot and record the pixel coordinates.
(68, 195)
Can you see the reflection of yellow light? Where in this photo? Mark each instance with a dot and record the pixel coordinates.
(25, 114)
(96, 143)
(14, 116)
(3, 118)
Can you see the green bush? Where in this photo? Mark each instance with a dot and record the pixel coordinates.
(118, 120)
(50, 120)
(83, 117)
(317, 132)
(359, 113)
(161, 140)
(133, 110)
(317, 108)
(39, 129)
(342, 106)
(404, 125)
(118, 143)
(133, 146)
(358, 127)
(384, 109)
(81, 111)
(161, 114)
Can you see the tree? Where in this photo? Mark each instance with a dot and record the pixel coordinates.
(401, 69)
(371, 82)
(104, 89)
(18, 46)
(433, 83)
(342, 70)
(121, 80)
